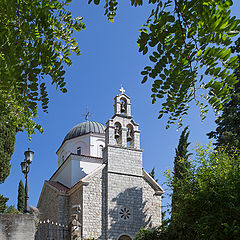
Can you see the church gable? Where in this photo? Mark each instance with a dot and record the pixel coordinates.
(48, 203)
(74, 168)
(154, 185)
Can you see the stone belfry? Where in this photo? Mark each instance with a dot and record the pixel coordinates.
(124, 175)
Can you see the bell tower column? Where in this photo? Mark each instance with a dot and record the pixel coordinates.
(123, 157)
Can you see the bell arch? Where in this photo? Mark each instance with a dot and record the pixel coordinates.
(130, 135)
(124, 237)
(123, 104)
(118, 132)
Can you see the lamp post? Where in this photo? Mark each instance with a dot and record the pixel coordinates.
(25, 165)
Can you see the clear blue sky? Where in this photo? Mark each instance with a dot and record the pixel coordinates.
(109, 58)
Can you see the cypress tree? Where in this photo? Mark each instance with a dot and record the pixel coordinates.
(180, 166)
(3, 205)
(152, 174)
(227, 132)
(21, 197)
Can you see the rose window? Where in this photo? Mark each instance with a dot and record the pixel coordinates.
(125, 214)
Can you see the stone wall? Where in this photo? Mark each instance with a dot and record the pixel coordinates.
(63, 206)
(17, 227)
(152, 205)
(76, 198)
(124, 160)
(48, 206)
(92, 208)
(125, 205)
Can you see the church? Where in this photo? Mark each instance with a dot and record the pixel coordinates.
(100, 177)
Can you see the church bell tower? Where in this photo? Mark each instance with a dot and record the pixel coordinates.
(123, 158)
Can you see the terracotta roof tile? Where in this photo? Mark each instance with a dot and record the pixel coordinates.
(58, 186)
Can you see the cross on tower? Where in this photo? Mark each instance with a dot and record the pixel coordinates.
(122, 90)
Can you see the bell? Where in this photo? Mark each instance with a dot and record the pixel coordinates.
(129, 137)
(123, 109)
(117, 133)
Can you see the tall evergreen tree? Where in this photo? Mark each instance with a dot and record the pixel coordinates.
(21, 197)
(181, 164)
(152, 174)
(3, 205)
(227, 132)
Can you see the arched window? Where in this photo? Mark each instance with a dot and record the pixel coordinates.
(123, 103)
(124, 237)
(129, 135)
(118, 132)
(79, 151)
(101, 151)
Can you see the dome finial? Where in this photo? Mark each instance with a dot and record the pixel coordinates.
(87, 114)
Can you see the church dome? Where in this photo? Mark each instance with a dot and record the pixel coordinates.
(84, 128)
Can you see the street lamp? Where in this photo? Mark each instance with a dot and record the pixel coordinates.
(25, 165)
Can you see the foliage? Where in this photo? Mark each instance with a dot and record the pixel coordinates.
(3, 205)
(209, 206)
(181, 37)
(146, 234)
(21, 197)
(181, 166)
(182, 154)
(11, 210)
(227, 132)
(152, 174)
(36, 40)
(160, 232)
(7, 142)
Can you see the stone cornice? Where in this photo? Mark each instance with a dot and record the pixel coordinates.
(122, 147)
(126, 174)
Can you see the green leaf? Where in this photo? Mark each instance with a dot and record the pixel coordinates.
(144, 79)
(153, 59)
(145, 50)
(96, 2)
(144, 72)
(199, 53)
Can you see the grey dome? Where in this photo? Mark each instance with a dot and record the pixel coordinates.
(84, 128)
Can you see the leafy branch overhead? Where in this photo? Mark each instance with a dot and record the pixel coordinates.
(36, 40)
(188, 44)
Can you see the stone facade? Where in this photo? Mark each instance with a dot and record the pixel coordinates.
(76, 198)
(124, 192)
(124, 160)
(152, 205)
(63, 205)
(48, 206)
(117, 197)
(92, 207)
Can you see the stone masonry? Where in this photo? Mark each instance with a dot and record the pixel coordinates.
(17, 227)
(131, 200)
(92, 208)
(117, 198)
(48, 206)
